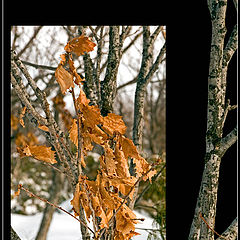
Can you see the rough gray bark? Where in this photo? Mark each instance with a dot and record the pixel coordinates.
(109, 84)
(216, 146)
(14, 235)
(147, 55)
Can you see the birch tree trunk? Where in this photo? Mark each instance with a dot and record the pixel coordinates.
(216, 144)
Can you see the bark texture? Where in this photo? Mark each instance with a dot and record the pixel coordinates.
(109, 85)
(216, 146)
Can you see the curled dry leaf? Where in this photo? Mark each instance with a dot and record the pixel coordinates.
(64, 78)
(42, 153)
(16, 194)
(75, 202)
(21, 116)
(80, 45)
(73, 133)
(73, 70)
(113, 123)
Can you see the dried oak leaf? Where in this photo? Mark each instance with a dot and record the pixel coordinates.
(80, 45)
(141, 165)
(97, 207)
(75, 202)
(42, 153)
(113, 123)
(64, 78)
(73, 70)
(16, 194)
(107, 200)
(121, 161)
(91, 115)
(124, 220)
(82, 100)
(73, 133)
(21, 116)
(85, 203)
(110, 161)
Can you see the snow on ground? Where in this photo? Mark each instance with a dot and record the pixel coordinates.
(63, 226)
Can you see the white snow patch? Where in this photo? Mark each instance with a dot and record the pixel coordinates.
(64, 226)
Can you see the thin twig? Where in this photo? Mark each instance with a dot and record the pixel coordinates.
(149, 185)
(52, 204)
(30, 41)
(37, 66)
(79, 136)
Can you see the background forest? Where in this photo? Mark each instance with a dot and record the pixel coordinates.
(136, 91)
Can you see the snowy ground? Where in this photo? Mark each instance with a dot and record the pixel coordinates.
(63, 226)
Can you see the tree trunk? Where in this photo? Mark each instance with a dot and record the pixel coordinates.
(109, 85)
(216, 146)
(55, 191)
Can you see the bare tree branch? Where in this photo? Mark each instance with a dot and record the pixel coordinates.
(108, 86)
(38, 66)
(30, 41)
(227, 141)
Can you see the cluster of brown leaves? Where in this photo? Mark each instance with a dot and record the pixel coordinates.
(113, 181)
(99, 198)
(27, 145)
(66, 77)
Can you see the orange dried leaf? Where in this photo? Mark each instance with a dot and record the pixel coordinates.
(124, 222)
(42, 127)
(91, 115)
(63, 57)
(64, 78)
(97, 207)
(73, 133)
(109, 160)
(128, 147)
(121, 162)
(42, 153)
(76, 201)
(149, 176)
(85, 203)
(21, 116)
(82, 100)
(16, 194)
(113, 123)
(80, 45)
(77, 79)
